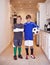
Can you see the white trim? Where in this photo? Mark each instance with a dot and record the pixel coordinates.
(18, 30)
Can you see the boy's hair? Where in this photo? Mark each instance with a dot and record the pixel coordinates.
(19, 17)
(28, 16)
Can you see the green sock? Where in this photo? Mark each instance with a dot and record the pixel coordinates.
(15, 50)
(19, 50)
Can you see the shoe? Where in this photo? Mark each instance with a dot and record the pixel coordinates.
(20, 56)
(15, 57)
(26, 56)
(33, 56)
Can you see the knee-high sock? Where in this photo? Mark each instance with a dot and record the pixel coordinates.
(19, 50)
(15, 50)
(31, 51)
(26, 51)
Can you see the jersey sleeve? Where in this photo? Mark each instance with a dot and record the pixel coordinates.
(35, 25)
(35, 28)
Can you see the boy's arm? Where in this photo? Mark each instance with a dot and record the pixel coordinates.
(35, 25)
(36, 28)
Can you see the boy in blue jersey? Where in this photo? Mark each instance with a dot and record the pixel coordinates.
(28, 35)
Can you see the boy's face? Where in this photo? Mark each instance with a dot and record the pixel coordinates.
(28, 20)
(19, 20)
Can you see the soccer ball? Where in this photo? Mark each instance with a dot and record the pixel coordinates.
(35, 30)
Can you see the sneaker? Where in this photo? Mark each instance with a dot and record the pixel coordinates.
(26, 56)
(32, 56)
(15, 57)
(20, 56)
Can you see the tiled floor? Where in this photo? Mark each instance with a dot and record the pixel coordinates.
(6, 58)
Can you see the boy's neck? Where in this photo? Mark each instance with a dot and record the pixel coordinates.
(29, 21)
(18, 23)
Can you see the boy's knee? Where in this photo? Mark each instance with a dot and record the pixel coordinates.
(19, 46)
(31, 47)
(26, 47)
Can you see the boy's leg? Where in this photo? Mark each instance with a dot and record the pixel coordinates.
(32, 52)
(27, 50)
(15, 50)
(27, 53)
(15, 47)
(31, 49)
(19, 52)
(19, 49)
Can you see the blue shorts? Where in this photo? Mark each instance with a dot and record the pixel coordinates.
(17, 42)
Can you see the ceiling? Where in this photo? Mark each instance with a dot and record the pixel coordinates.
(26, 4)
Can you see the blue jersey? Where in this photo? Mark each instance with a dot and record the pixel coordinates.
(28, 34)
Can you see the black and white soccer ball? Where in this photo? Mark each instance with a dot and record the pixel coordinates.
(35, 30)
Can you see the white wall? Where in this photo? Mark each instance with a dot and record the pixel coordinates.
(5, 26)
(48, 9)
(42, 9)
(47, 0)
